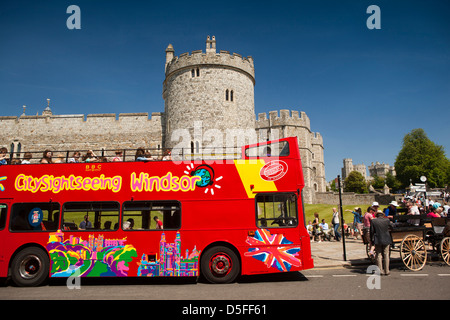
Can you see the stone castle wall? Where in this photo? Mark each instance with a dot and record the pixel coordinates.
(80, 132)
(351, 198)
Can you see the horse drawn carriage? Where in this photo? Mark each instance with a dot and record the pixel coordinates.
(416, 237)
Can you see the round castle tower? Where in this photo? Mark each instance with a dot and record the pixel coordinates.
(209, 90)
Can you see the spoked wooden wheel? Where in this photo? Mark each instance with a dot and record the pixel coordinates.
(445, 250)
(413, 252)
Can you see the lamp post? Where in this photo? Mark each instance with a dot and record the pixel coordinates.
(424, 180)
(342, 218)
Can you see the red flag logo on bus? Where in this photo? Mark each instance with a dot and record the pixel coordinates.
(273, 170)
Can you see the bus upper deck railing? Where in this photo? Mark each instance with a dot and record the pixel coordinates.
(118, 155)
(266, 149)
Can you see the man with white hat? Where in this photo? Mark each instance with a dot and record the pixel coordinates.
(391, 211)
(375, 206)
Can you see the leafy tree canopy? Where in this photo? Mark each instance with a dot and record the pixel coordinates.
(355, 182)
(420, 156)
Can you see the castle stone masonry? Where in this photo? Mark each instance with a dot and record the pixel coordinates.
(202, 91)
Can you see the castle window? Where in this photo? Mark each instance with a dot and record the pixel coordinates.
(229, 95)
(195, 72)
(19, 149)
(12, 150)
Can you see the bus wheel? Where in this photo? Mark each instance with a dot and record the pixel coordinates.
(220, 265)
(30, 267)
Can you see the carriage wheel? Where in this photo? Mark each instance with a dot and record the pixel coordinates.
(445, 250)
(413, 252)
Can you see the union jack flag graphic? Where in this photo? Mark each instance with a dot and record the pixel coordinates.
(274, 250)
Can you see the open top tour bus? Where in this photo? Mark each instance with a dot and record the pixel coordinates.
(217, 219)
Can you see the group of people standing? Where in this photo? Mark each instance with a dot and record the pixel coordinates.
(374, 227)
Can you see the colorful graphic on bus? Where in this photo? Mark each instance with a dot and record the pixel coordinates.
(94, 257)
(171, 263)
(274, 250)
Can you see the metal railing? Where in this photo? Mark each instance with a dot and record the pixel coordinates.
(122, 155)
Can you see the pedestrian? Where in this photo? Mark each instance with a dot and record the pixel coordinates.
(414, 211)
(391, 211)
(316, 226)
(357, 222)
(335, 222)
(381, 238)
(325, 230)
(310, 229)
(368, 217)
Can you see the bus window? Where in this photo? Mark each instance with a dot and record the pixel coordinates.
(276, 210)
(151, 215)
(276, 149)
(35, 216)
(3, 210)
(91, 216)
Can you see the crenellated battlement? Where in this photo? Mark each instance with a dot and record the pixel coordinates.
(283, 118)
(317, 139)
(96, 117)
(198, 58)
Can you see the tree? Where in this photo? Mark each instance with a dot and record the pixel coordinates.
(355, 183)
(420, 156)
(378, 182)
(333, 185)
(392, 182)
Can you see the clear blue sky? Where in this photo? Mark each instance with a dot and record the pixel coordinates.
(362, 89)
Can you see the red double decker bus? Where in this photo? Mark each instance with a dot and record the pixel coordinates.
(217, 219)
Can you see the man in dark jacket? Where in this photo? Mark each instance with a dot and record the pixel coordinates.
(381, 238)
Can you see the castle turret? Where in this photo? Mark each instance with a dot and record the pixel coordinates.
(169, 54)
(211, 45)
(47, 111)
(207, 90)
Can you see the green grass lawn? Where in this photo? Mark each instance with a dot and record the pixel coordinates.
(325, 211)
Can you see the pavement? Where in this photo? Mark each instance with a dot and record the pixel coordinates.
(328, 254)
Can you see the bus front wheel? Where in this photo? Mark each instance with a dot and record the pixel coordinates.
(220, 265)
(30, 267)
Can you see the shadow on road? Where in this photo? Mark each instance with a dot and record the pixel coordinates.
(273, 277)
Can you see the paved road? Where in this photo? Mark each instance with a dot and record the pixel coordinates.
(432, 282)
(276, 295)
